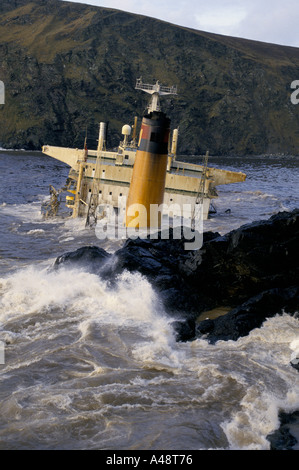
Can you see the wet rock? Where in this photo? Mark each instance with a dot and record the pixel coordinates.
(254, 270)
(162, 261)
(295, 363)
(282, 438)
(91, 257)
(251, 314)
(184, 329)
(254, 258)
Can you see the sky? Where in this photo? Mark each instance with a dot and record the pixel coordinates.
(274, 21)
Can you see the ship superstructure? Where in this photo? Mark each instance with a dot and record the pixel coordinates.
(99, 177)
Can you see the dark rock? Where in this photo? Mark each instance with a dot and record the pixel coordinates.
(282, 439)
(295, 363)
(251, 314)
(90, 257)
(254, 258)
(184, 329)
(158, 260)
(254, 269)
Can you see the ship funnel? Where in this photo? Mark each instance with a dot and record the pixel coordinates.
(147, 186)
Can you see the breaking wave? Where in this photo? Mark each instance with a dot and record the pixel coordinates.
(92, 366)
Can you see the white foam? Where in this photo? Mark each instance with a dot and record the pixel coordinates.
(13, 150)
(77, 318)
(37, 231)
(34, 291)
(67, 239)
(295, 348)
(24, 212)
(267, 348)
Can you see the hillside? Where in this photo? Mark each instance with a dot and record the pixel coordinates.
(67, 66)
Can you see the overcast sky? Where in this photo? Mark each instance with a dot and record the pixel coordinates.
(275, 21)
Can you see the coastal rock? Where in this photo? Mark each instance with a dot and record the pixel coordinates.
(254, 258)
(251, 314)
(295, 363)
(91, 257)
(282, 438)
(160, 261)
(253, 272)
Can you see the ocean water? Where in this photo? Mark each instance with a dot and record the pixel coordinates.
(88, 366)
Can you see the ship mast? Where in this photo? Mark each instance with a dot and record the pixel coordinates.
(201, 191)
(91, 218)
(155, 90)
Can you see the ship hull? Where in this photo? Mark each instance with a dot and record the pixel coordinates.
(182, 184)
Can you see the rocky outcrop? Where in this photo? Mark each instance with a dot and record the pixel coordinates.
(91, 257)
(251, 314)
(282, 438)
(252, 271)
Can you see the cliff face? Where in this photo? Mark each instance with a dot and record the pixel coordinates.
(67, 66)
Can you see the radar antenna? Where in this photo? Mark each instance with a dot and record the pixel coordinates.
(155, 90)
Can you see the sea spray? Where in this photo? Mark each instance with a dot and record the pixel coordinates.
(268, 349)
(91, 366)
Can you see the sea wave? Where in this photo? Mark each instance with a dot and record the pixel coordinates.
(82, 352)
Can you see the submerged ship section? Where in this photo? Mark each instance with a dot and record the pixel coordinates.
(144, 171)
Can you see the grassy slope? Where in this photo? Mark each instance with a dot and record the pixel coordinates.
(68, 66)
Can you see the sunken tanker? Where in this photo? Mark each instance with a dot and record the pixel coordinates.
(143, 171)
